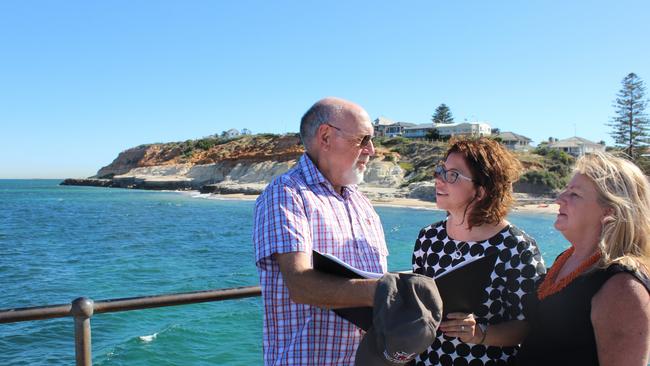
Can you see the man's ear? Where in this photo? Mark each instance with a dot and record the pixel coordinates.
(324, 137)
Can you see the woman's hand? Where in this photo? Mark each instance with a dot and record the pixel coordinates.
(462, 326)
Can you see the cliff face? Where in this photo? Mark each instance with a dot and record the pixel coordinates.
(124, 162)
(204, 152)
(212, 165)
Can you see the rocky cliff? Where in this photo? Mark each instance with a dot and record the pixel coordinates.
(243, 165)
(400, 168)
(205, 151)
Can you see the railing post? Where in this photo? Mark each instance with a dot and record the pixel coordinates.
(82, 310)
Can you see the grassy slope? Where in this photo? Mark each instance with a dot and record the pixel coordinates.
(544, 170)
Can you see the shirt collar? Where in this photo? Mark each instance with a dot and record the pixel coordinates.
(314, 176)
(310, 171)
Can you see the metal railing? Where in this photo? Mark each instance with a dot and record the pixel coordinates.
(82, 309)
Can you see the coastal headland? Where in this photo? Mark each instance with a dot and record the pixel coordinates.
(400, 174)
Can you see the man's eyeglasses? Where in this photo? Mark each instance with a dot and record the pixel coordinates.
(364, 142)
(449, 176)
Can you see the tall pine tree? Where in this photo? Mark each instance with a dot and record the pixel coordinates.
(442, 115)
(630, 126)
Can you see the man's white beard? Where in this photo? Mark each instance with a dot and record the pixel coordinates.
(354, 175)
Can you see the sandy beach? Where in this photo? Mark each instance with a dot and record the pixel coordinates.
(405, 202)
(544, 208)
(523, 202)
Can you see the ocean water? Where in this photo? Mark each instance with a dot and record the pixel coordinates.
(60, 242)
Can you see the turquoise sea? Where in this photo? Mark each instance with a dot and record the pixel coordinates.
(60, 242)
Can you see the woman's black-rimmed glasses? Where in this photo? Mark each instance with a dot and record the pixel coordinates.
(449, 176)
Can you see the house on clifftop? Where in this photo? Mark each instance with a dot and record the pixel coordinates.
(231, 133)
(474, 129)
(514, 141)
(576, 146)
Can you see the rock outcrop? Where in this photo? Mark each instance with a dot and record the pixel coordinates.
(187, 176)
(383, 174)
(88, 182)
(205, 151)
(244, 165)
(425, 191)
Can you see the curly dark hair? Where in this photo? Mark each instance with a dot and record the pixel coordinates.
(495, 169)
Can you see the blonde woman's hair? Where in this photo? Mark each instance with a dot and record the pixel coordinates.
(622, 187)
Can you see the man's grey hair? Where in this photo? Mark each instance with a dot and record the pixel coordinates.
(319, 114)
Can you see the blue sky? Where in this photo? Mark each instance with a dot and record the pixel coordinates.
(81, 81)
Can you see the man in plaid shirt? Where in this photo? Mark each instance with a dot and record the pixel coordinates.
(317, 206)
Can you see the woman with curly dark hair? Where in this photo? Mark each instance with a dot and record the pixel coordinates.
(474, 186)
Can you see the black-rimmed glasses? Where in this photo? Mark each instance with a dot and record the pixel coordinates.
(449, 176)
(364, 142)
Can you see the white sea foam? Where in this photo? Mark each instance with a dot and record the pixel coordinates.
(148, 338)
(201, 195)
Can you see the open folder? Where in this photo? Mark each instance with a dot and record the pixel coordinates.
(327, 263)
(461, 289)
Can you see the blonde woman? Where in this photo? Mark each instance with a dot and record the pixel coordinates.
(593, 306)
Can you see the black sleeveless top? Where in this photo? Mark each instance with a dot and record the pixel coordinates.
(561, 332)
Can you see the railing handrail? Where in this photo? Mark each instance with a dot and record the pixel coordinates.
(82, 309)
(128, 303)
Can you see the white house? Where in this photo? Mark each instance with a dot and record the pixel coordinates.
(417, 131)
(515, 141)
(576, 146)
(380, 125)
(396, 129)
(389, 128)
(476, 129)
(230, 133)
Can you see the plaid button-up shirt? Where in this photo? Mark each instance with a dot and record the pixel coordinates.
(300, 211)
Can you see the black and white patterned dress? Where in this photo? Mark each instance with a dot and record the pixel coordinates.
(517, 269)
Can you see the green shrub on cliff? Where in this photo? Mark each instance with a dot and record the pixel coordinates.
(399, 140)
(562, 170)
(206, 143)
(543, 178)
(420, 176)
(406, 167)
(554, 154)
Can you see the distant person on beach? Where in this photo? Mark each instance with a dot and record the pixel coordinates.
(474, 186)
(317, 206)
(593, 307)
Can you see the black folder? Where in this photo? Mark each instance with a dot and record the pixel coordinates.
(327, 263)
(461, 289)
